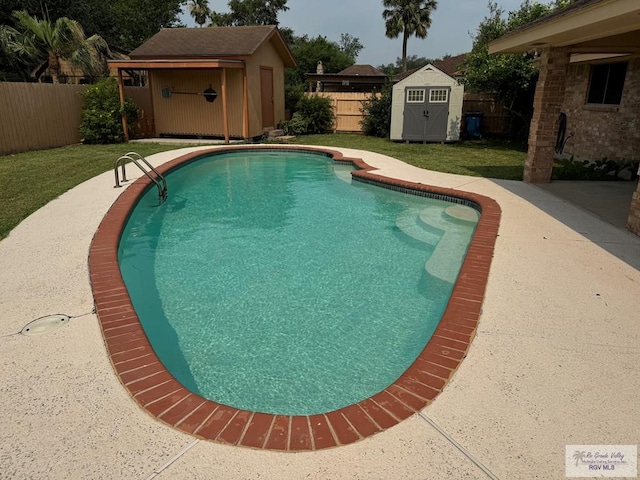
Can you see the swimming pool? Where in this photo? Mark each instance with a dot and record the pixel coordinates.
(160, 394)
(269, 282)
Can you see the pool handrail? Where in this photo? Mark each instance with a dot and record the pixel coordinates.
(135, 157)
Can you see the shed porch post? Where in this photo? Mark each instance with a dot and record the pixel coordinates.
(225, 113)
(245, 103)
(547, 104)
(125, 130)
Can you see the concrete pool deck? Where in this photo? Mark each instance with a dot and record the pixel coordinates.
(554, 361)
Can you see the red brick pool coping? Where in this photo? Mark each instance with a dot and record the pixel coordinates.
(162, 396)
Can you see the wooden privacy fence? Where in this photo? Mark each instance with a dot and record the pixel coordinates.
(43, 115)
(36, 116)
(347, 108)
(495, 117)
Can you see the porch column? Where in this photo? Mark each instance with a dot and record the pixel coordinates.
(225, 111)
(633, 222)
(125, 129)
(547, 104)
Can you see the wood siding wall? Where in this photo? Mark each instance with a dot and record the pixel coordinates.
(265, 56)
(347, 108)
(37, 116)
(186, 112)
(144, 127)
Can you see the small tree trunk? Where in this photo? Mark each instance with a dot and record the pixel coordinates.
(405, 38)
(54, 67)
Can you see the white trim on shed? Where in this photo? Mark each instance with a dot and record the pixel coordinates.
(426, 106)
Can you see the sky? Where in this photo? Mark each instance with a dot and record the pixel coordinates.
(452, 24)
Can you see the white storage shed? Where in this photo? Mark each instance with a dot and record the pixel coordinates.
(426, 106)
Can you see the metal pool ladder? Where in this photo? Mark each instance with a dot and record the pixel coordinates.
(136, 158)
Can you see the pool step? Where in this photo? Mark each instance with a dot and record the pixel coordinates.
(343, 172)
(446, 260)
(410, 223)
(442, 230)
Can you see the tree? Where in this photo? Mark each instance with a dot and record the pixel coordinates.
(511, 78)
(308, 51)
(34, 41)
(199, 10)
(124, 24)
(250, 12)
(376, 113)
(138, 20)
(409, 17)
(350, 45)
(413, 62)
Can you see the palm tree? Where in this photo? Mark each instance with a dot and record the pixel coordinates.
(199, 10)
(409, 17)
(36, 40)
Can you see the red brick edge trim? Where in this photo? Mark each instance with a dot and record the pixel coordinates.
(162, 396)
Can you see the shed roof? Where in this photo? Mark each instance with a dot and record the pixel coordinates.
(212, 42)
(452, 66)
(417, 73)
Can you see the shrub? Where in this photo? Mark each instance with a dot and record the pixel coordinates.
(318, 111)
(313, 115)
(376, 111)
(298, 125)
(101, 113)
(605, 169)
(292, 96)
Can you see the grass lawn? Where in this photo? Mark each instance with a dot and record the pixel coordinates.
(30, 180)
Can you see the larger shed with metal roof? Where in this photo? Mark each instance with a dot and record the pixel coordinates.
(225, 82)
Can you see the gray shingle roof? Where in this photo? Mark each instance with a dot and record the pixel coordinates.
(365, 70)
(212, 42)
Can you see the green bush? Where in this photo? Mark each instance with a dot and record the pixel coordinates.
(313, 115)
(292, 96)
(605, 169)
(101, 113)
(298, 125)
(376, 111)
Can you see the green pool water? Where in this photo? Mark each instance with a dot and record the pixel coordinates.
(269, 281)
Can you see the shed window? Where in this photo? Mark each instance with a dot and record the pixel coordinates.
(438, 95)
(415, 95)
(607, 83)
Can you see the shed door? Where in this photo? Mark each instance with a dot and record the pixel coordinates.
(266, 92)
(415, 121)
(437, 114)
(426, 113)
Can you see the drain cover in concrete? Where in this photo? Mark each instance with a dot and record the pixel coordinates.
(43, 325)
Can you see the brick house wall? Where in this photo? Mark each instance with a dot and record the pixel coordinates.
(599, 131)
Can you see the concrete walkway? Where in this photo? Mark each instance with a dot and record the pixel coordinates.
(554, 361)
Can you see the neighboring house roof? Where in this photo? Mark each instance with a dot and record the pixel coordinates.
(69, 70)
(452, 66)
(586, 26)
(359, 70)
(212, 42)
(366, 76)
